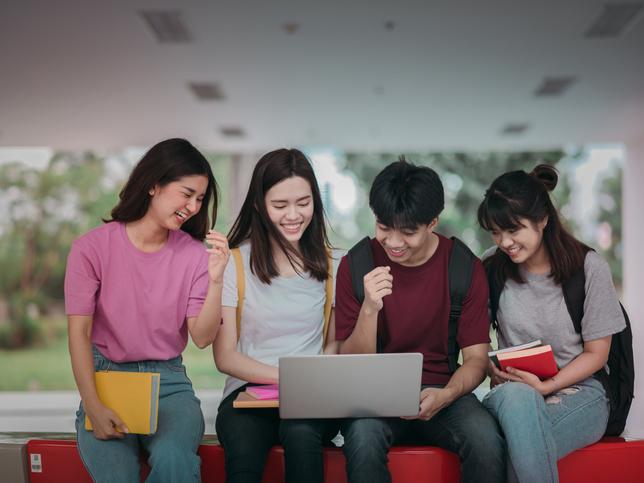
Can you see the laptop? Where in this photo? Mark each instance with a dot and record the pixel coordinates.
(350, 386)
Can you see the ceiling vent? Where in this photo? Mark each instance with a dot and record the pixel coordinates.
(515, 128)
(166, 25)
(232, 132)
(206, 91)
(554, 86)
(615, 20)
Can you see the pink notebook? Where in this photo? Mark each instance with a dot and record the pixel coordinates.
(266, 391)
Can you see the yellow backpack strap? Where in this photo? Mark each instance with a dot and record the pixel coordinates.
(328, 288)
(241, 286)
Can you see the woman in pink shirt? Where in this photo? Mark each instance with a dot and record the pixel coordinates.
(135, 287)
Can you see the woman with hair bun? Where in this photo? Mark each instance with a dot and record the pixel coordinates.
(544, 420)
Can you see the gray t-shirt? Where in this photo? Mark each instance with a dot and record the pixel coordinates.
(280, 319)
(537, 310)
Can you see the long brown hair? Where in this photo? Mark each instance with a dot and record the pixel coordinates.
(254, 223)
(164, 163)
(518, 195)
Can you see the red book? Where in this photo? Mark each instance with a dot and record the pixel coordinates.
(540, 361)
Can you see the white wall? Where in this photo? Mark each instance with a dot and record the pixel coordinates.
(633, 238)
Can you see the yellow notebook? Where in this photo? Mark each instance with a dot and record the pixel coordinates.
(133, 396)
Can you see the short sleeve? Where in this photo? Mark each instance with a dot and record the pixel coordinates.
(82, 280)
(602, 313)
(474, 324)
(347, 307)
(199, 286)
(229, 292)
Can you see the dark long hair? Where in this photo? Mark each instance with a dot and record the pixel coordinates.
(164, 163)
(518, 195)
(254, 223)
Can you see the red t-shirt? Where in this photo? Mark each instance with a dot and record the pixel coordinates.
(415, 316)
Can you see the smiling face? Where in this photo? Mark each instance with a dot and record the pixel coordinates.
(406, 246)
(523, 243)
(174, 203)
(289, 204)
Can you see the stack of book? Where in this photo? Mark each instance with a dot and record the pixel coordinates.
(532, 357)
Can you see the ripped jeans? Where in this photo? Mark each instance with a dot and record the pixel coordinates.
(539, 431)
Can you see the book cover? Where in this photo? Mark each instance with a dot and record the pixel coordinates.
(540, 361)
(266, 391)
(246, 401)
(133, 396)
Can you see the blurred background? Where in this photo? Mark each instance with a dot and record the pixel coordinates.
(472, 89)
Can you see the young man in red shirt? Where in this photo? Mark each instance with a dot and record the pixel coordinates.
(406, 307)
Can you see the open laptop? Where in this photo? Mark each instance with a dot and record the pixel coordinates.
(350, 386)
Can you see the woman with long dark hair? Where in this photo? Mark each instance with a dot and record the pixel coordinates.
(282, 241)
(135, 287)
(544, 420)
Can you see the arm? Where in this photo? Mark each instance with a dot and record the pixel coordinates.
(331, 346)
(229, 361)
(105, 422)
(463, 381)
(592, 359)
(203, 328)
(377, 284)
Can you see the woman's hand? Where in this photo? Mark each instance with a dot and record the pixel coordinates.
(105, 423)
(542, 387)
(496, 376)
(218, 255)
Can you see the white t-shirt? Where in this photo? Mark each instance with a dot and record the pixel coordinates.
(280, 319)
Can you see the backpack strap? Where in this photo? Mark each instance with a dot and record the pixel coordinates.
(460, 268)
(360, 258)
(241, 289)
(241, 286)
(574, 292)
(328, 301)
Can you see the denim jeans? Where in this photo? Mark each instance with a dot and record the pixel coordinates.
(464, 427)
(172, 450)
(248, 434)
(539, 431)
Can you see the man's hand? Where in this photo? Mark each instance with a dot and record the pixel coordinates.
(105, 422)
(432, 400)
(377, 283)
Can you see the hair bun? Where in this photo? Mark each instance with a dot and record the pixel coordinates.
(547, 174)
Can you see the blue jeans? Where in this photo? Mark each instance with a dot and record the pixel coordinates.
(539, 431)
(247, 435)
(172, 449)
(464, 427)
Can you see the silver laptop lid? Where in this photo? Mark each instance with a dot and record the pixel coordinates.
(350, 386)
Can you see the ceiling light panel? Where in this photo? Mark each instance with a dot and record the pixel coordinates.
(554, 86)
(515, 128)
(615, 20)
(206, 91)
(232, 132)
(166, 25)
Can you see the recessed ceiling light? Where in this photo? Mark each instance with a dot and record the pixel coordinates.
(615, 20)
(232, 132)
(166, 25)
(390, 25)
(514, 128)
(206, 91)
(290, 27)
(554, 86)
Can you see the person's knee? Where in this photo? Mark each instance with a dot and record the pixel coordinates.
(296, 433)
(367, 435)
(513, 399)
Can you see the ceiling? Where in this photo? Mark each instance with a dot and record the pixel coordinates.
(356, 75)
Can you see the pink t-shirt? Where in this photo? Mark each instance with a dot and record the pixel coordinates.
(139, 301)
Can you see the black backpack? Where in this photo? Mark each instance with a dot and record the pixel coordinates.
(619, 381)
(460, 268)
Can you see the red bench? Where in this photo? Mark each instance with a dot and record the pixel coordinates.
(607, 461)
